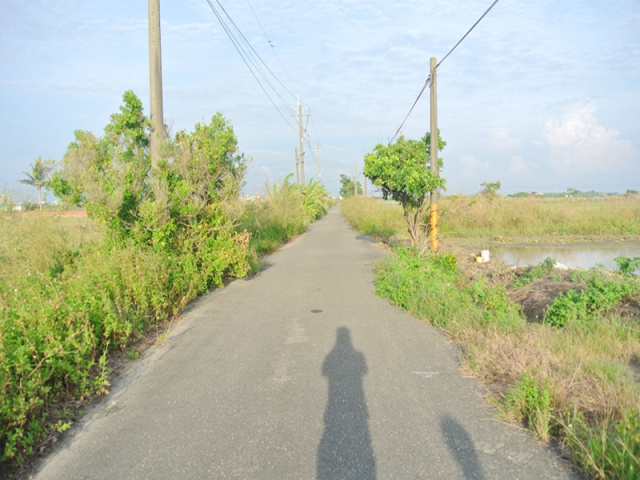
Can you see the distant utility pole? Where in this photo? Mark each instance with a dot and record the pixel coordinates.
(435, 168)
(365, 187)
(355, 179)
(155, 82)
(297, 168)
(318, 160)
(299, 115)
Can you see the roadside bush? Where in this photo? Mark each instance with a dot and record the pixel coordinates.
(167, 239)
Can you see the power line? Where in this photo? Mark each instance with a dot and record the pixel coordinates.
(273, 49)
(468, 32)
(424, 87)
(428, 81)
(255, 53)
(246, 58)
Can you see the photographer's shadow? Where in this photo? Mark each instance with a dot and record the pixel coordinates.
(345, 451)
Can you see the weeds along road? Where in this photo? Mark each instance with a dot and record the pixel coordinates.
(299, 373)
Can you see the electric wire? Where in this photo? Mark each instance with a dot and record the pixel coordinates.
(247, 59)
(428, 81)
(468, 32)
(424, 87)
(256, 55)
(273, 49)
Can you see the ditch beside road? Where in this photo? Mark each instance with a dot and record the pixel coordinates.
(300, 372)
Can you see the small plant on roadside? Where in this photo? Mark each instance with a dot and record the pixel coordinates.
(606, 448)
(530, 402)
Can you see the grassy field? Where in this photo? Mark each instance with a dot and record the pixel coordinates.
(507, 218)
(558, 351)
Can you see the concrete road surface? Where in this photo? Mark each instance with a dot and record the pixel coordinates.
(300, 373)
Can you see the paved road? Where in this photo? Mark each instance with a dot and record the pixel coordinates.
(300, 373)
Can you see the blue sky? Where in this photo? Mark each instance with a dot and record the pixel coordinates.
(542, 95)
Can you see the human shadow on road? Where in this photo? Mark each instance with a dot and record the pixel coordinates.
(345, 451)
(462, 448)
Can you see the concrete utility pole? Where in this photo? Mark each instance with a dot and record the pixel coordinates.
(297, 168)
(155, 82)
(355, 179)
(435, 168)
(299, 115)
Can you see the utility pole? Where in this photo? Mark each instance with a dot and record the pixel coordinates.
(433, 154)
(297, 168)
(318, 160)
(155, 82)
(355, 179)
(365, 187)
(299, 115)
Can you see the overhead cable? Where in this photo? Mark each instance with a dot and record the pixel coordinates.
(273, 49)
(468, 32)
(246, 58)
(424, 87)
(428, 81)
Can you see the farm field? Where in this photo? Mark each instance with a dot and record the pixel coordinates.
(558, 350)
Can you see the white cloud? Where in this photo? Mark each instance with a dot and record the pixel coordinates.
(577, 142)
(472, 163)
(518, 166)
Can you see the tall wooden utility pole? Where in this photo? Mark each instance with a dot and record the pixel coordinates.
(433, 157)
(155, 82)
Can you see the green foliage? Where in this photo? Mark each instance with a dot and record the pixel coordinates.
(402, 172)
(490, 189)
(535, 272)
(606, 448)
(431, 287)
(627, 266)
(347, 188)
(168, 238)
(530, 402)
(583, 308)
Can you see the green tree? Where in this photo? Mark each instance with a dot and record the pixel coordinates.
(347, 187)
(490, 189)
(39, 176)
(178, 208)
(402, 171)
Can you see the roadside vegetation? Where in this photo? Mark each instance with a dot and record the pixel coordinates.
(74, 291)
(558, 351)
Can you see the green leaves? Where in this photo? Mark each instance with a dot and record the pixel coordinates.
(402, 172)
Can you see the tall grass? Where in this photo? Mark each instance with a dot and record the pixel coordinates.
(481, 216)
(374, 217)
(534, 216)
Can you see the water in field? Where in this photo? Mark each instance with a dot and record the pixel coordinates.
(573, 256)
